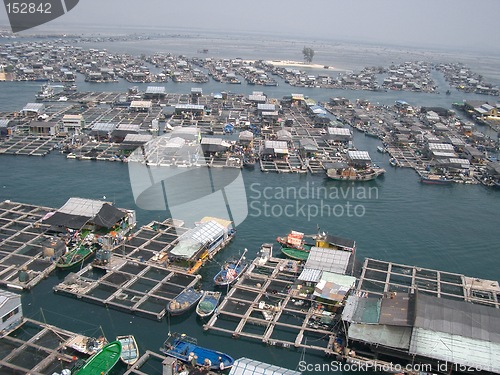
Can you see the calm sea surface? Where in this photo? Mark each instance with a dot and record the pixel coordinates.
(451, 228)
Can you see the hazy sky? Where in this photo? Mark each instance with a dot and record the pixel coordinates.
(467, 24)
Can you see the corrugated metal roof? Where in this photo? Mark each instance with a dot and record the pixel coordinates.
(339, 131)
(198, 107)
(455, 349)
(5, 295)
(155, 90)
(34, 107)
(398, 310)
(458, 318)
(137, 138)
(81, 207)
(266, 107)
(392, 336)
(140, 104)
(358, 155)
(440, 146)
(309, 274)
(4, 123)
(247, 366)
(330, 260)
(103, 127)
(129, 127)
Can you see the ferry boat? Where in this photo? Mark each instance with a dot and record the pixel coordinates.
(130, 349)
(102, 362)
(186, 349)
(184, 301)
(231, 271)
(208, 303)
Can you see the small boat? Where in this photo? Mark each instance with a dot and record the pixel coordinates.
(231, 270)
(296, 254)
(184, 301)
(186, 349)
(264, 254)
(130, 349)
(381, 149)
(294, 240)
(102, 362)
(75, 256)
(208, 303)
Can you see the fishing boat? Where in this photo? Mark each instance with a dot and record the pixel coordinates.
(294, 240)
(75, 256)
(296, 254)
(265, 253)
(353, 174)
(45, 92)
(130, 349)
(433, 179)
(381, 149)
(208, 303)
(184, 301)
(186, 349)
(102, 362)
(231, 270)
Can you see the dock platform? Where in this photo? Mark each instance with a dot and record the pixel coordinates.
(38, 349)
(263, 305)
(22, 241)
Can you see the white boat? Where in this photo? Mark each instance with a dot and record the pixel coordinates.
(208, 303)
(130, 350)
(353, 174)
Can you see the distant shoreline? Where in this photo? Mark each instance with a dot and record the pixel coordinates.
(300, 64)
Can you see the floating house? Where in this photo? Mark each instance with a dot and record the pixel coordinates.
(44, 128)
(80, 213)
(11, 311)
(201, 243)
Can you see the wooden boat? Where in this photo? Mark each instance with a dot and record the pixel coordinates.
(208, 303)
(186, 349)
(184, 301)
(231, 270)
(75, 256)
(130, 349)
(102, 362)
(296, 254)
(264, 254)
(294, 240)
(352, 174)
(433, 179)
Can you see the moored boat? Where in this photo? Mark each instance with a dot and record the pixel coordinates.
(353, 174)
(75, 256)
(186, 349)
(231, 270)
(294, 240)
(184, 301)
(130, 349)
(208, 303)
(296, 254)
(102, 362)
(433, 179)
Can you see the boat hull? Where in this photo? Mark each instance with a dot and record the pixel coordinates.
(208, 303)
(229, 274)
(103, 361)
(184, 302)
(184, 348)
(296, 254)
(74, 257)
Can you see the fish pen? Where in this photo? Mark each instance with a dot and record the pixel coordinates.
(380, 277)
(263, 305)
(38, 349)
(136, 287)
(25, 249)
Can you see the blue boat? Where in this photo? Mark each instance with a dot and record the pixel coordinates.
(231, 270)
(186, 349)
(184, 301)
